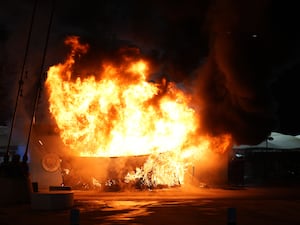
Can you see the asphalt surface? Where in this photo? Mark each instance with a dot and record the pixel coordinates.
(189, 206)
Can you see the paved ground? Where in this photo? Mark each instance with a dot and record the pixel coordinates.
(208, 206)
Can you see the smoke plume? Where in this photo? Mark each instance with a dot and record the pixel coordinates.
(233, 84)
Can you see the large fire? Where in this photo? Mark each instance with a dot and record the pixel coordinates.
(120, 112)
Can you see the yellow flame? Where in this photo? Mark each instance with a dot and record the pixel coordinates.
(123, 114)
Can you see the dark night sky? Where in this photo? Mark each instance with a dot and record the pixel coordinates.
(241, 65)
(286, 65)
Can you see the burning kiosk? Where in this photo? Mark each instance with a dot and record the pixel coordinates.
(119, 112)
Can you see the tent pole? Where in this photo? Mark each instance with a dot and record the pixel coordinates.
(21, 82)
(39, 87)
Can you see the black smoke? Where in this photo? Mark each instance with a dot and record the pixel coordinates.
(234, 84)
(220, 48)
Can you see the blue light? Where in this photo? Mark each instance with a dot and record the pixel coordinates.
(21, 150)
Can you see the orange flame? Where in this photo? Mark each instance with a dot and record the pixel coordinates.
(118, 112)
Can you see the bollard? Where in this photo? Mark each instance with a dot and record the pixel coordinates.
(74, 216)
(35, 186)
(231, 216)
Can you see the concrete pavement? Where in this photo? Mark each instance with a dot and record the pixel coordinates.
(189, 206)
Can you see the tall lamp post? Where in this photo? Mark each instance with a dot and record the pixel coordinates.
(269, 138)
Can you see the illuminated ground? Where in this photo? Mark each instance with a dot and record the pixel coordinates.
(259, 206)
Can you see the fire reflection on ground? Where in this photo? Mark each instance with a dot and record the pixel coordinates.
(188, 206)
(121, 211)
(128, 210)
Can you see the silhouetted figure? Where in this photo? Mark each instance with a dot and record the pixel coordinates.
(4, 167)
(16, 169)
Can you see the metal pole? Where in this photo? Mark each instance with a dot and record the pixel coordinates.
(20, 82)
(38, 92)
(231, 216)
(74, 216)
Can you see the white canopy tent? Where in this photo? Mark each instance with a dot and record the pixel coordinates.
(275, 141)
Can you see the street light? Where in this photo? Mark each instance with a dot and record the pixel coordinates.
(269, 138)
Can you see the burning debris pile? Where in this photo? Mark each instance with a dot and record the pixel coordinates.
(121, 112)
